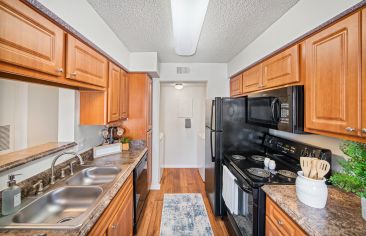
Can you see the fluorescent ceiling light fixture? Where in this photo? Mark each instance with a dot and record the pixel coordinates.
(178, 86)
(188, 17)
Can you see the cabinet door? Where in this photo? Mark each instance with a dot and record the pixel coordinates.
(282, 68)
(149, 103)
(84, 64)
(122, 223)
(29, 40)
(333, 78)
(114, 92)
(124, 95)
(363, 109)
(236, 85)
(252, 79)
(149, 157)
(271, 229)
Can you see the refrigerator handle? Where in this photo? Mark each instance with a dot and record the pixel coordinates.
(212, 111)
(212, 154)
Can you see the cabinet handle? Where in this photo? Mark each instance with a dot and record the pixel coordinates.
(73, 74)
(364, 130)
(114, 226)
(350, 129)
(280, 222)
(60, 70)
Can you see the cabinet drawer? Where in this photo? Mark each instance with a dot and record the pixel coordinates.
(84, 64)
(30, 41)
(280, 221)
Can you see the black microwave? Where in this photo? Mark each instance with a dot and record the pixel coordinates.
(280, 109)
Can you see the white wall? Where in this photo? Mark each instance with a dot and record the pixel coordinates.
(181, 142)
(215, 76)
(301, 18)
(13, 112)
(42, 114)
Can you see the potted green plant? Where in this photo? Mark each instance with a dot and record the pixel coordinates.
(353, 176)
(125, 143)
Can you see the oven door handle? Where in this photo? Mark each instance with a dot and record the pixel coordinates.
(244, 187)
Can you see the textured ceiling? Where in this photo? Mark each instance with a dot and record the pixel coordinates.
(230, 25)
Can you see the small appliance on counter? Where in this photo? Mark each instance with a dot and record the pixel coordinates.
(246, 216)
(112, 134)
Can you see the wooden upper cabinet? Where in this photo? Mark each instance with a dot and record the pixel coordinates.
(84, 64)
(282, 68)
(114, 89)
(236, 85)
(333, 78)
(124, 95)
(252, 79)
(363, 108)
(30, 41)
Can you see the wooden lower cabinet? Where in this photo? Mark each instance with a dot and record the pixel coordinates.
(117, 219)
(278, 223)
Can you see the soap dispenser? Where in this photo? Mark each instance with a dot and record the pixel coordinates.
(11, 197)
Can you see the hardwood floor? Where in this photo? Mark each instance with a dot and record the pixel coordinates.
(175, 181)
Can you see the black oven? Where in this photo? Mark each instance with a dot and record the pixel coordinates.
(140, 188)
(280, 109)
(250, 216)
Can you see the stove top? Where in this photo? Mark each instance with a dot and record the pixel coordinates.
(284, 152)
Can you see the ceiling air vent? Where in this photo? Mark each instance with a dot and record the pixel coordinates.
(182, 70)
(4, 137)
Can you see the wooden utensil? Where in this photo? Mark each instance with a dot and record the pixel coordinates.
(322, 168)
(313, 172)
(305, 163)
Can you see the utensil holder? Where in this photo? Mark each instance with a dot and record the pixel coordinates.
(311, 192)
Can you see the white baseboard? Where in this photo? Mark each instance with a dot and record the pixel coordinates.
(155, 187)
(180, 166)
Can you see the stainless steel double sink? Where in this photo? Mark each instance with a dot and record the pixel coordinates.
(66, 206)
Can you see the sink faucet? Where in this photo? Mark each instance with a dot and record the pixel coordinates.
(56, 158)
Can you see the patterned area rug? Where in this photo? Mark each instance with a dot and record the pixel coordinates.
(184, 215)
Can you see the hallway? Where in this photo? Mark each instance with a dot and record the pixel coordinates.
(175, 181)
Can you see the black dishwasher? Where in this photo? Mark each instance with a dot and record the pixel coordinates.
(140, 188)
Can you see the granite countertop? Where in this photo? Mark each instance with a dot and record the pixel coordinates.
(21, 157)
(341, 215)
(128, 161)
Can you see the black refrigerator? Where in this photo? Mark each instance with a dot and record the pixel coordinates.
(225, 119)
(226, 132)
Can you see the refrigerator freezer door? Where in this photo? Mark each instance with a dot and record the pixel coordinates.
(213, 155)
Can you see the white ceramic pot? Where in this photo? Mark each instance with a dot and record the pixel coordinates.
(363, 206)
(311, 192)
